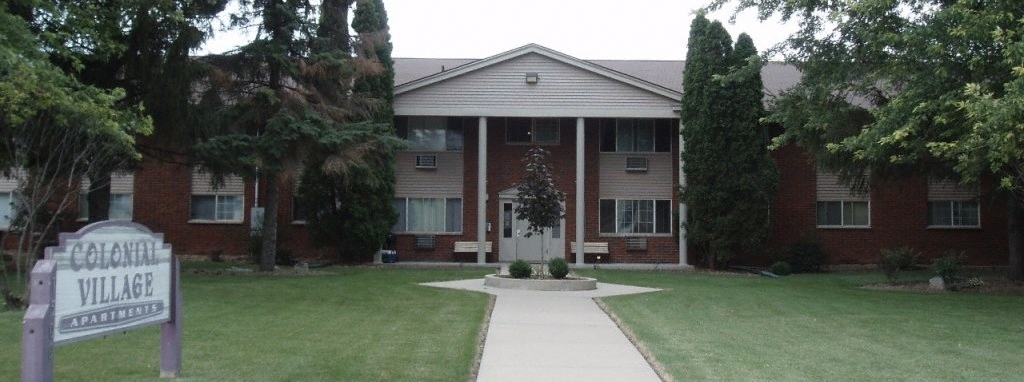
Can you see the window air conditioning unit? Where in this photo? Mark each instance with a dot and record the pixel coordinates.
(636, 243)
(424, 242)
(637, 164)
(426, 161)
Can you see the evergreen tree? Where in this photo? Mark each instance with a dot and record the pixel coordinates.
(289, 94)
(730, 180)
(353, 211)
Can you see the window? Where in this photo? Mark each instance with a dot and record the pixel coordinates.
(636, 216)
(221, 204)
(953, 214)
(951, 205)
(625, 135)
(299, 214)
(432, 134)
(838, 205)
(532, 130)
(221, 208)
(7, 197)
(428, 215)
(843, 214)
(6, 209)
(121, 200)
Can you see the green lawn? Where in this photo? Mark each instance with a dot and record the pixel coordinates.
(364, 324)
(819, 328)
(354, 324)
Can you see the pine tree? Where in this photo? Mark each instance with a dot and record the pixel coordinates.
(290, 98)
(730, 180)
(358, 204)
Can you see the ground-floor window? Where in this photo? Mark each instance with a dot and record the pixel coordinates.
(843, 214)
(428, 215)
(953, 214)
(6, 209)
(627, 216)
(219, 208)
(120, 207)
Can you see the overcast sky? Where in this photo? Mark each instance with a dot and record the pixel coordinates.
(586, 29)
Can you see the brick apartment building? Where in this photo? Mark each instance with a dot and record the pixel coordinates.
(612, 127)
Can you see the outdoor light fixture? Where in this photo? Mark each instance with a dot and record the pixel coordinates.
(532, 78)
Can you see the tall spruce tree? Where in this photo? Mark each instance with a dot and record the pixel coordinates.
(353, 211)
(290, 97)
(730, 180)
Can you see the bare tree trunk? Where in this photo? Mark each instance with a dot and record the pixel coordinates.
(270, 224)
(1015, 232)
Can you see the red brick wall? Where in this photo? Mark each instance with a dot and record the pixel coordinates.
(505, 168)
(898, 211)
(898, 218)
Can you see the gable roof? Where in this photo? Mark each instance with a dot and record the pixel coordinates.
(406, 72)
(667, 74)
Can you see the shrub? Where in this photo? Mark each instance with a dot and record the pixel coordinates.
(892, 261)
(807, 255)
(781, 268)
(558, 267)
(520, 269)
(949, 266)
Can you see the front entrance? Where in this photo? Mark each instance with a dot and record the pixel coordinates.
(514, 244)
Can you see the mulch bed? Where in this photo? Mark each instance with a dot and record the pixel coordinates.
(995, 285)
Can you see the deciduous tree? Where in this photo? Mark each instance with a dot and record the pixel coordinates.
(53, 130)
(909, 87)
(537, 200)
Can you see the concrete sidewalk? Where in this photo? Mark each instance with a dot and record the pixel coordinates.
(556, 336)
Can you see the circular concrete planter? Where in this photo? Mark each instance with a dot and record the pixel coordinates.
(563, 285)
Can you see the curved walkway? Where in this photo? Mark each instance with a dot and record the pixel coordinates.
(556, 336)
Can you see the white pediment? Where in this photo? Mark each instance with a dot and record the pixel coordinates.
(566, 87)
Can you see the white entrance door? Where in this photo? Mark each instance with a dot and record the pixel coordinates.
(514, 244)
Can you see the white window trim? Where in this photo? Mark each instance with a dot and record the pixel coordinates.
(83, 216)
(954, 225)
(842, 215)
(215, 220)
(6, 225)
(533, 133)
(654, 140)
(445, 214)
(671, 228)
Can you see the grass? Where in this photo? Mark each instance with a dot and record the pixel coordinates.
(819, 327)
(354, 324)
(376, 324)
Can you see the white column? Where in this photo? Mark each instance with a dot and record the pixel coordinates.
(481, 193)
(580, 215)
(682, 204)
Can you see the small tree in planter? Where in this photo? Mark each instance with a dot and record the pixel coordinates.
(539, 202)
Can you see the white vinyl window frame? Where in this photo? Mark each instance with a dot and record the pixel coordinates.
(847, 217)
(221, 205)
(546, 131)
(634, 136)
(837, 206)
(432, 134)
(632, 216)
(435, 216)
(6, 209)
(122, 200)
(952, 206)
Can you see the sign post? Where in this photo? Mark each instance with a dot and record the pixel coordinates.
(109, 277)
